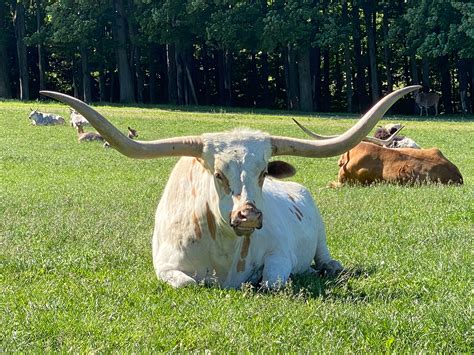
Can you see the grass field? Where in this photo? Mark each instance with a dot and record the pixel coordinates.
(75, 259)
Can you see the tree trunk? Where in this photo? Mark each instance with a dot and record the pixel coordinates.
(462, 75)
(135, 53)
(102, 86)
(291, 75)
(360, 76)
(304, 76)
(471, 81)
(77, 79)
(326, 93)
(206, 87)
(180, 79)
(414, 69)
(253, 87)
(171, 66)
(41, 67)
(347, 66)
(386, 51)
(120, 36)
(426, 74)
(153, 68)
(265, 85)
(369, 12)
(86, 78)
(316, 77)
(19, 21)
(337, 77)
(5, 89)
(443, 63)
(224, 77)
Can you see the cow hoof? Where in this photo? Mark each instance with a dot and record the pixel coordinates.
(335, 184)
(330, 269)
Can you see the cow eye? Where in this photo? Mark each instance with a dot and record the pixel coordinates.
(218, 175)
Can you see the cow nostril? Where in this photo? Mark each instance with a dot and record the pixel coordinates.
(242, 214)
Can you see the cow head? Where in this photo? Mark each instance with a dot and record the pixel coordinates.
(239, 164)
(238, 160)
(34, 115)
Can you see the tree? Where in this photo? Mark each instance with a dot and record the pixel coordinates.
(5, 88)
(20, 33)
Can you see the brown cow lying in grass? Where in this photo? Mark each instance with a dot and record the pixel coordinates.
(371, 161)
(368, 163)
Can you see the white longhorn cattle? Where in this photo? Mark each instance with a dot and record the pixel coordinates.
(391, 130)
(44, 119)
(224, 217)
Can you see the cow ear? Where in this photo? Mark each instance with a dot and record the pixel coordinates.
(280, 169)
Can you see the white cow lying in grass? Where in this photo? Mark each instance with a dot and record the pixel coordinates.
(45, 119)
(399, 141)
(224, 216)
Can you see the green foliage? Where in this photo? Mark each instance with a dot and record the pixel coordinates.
(437, 28)
(76, 269)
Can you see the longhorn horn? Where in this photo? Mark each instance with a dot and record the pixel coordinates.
(384, 142)
(337, 145)
(178, 146)
(378, 141)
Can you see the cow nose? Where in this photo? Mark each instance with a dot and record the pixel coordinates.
(249, 216)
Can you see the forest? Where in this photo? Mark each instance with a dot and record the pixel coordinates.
(305, 55)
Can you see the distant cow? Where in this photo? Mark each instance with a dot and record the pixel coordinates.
(426, 100)
(77, 119)
(368, 163)
(44, 119)
(398, 141)
(132, 134)
(88, 136)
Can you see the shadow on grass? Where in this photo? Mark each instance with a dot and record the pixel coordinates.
(311, 286)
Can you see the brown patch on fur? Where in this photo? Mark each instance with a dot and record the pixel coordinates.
(211, 222)
(190, 175)
(197, 227)
(193, 191)
(243, 254)
(240, 265)
(245, 247)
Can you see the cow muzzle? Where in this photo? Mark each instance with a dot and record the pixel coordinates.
(246, 219)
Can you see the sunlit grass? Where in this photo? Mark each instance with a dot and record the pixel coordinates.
(76, 271)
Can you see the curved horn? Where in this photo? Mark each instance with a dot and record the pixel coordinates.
(311, 133)
(384, 142)
(378, 141)
(342, 143)
(179, 146)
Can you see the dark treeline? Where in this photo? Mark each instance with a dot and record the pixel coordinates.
(308, 55)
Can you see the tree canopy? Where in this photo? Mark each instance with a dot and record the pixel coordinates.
(308, 55)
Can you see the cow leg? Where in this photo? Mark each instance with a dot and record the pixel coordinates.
(276, 271)
(176, 278)
(325, 265)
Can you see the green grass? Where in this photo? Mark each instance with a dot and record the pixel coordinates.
(75, 259)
